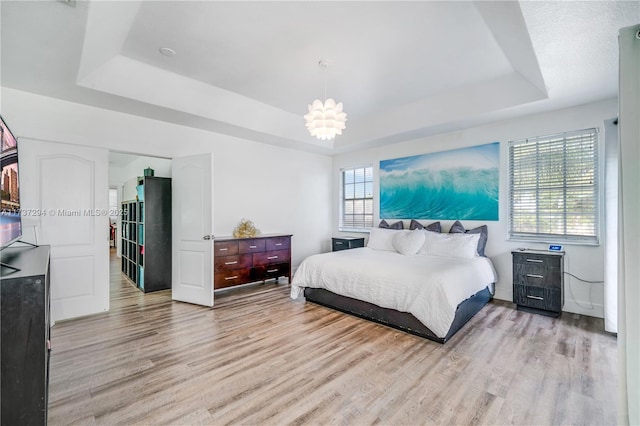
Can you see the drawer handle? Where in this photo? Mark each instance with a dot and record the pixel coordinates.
(223, 249)
(272, 270)
(535, 260)
(235, 276)
(231, 263)
(339, 243)
(535, 297)
(272, 257)
(253, 246)
(278, 244)
(534, 276)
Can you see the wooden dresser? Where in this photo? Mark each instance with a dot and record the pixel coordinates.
(245, 260)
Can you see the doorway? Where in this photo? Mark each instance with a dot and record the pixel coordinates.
(125, 172)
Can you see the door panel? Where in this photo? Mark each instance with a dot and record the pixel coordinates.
(192, 210)
(68, 186)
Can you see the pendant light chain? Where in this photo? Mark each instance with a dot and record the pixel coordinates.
(325, 81)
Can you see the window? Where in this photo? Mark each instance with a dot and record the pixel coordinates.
(553, 188)
(113, 205)
(357, 198)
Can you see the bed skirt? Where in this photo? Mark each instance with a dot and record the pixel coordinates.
(401, 320)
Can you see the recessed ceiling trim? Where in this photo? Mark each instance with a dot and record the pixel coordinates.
(506, 23)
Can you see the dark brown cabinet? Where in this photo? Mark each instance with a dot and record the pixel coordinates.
(243, 260)
(346, 243)
(538, 284)
(25, 341)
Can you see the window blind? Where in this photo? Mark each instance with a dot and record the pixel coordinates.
(553, 187)
(357, 198)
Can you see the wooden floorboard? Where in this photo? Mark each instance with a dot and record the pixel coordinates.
(259, 357)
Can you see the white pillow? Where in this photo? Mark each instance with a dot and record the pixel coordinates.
(450, 245)
(408, 242)
(382, 239)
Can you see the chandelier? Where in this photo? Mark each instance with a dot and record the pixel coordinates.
(325, 120)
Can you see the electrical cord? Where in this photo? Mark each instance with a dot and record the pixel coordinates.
(583, 280)
(590, 290)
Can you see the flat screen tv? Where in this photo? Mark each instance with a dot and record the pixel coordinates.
(10, 218)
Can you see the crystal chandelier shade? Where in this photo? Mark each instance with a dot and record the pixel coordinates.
(325, 120)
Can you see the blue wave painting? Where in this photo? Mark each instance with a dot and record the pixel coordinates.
(450, 185)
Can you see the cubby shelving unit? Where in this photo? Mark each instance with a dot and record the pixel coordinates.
(146, 235)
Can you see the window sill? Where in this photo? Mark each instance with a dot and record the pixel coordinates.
(552, 240)
(356, 230)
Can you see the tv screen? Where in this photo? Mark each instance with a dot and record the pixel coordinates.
(10, 220)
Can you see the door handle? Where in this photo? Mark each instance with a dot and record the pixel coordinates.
(207, 237)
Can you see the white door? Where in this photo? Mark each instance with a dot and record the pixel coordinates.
(64, 200)
(192, 225)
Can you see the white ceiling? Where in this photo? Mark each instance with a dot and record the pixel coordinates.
(248, 69)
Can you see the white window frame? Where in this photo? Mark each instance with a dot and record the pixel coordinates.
(366, 226)
(590, 189)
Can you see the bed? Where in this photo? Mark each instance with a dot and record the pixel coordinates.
(430, 289)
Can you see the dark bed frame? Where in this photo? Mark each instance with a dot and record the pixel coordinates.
(401, 320)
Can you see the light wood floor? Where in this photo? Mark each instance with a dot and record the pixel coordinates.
(261, 358)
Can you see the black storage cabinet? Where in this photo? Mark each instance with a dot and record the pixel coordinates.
(538, 281)
(346, 243)
(25, 343)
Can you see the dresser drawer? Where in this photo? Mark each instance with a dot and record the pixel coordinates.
(265, 272)
(224, 248)
(229, 263)
(271, 257)
(547, 299)
(231, 278)
(277, 243)
(251, 246)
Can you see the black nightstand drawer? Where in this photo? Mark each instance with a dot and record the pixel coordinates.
(537, 275)
(547, 299)
(346, 243)
(537, 259)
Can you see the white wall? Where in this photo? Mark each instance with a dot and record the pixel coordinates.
(128, 174)
(629, 229)
(126, 177)
(279, 189)
(583, 261)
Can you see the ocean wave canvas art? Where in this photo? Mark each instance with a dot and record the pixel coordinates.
(451, 185)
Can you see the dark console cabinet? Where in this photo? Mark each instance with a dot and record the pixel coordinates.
(538, 284)
(25, 337)
(346, 243)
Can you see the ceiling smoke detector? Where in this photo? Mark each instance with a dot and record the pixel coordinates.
(167, 51)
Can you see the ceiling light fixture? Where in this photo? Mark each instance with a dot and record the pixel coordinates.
(325, 120)
(167, 51)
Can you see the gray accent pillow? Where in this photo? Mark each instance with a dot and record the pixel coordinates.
(458, 228)
(385, 225)
(434, 227)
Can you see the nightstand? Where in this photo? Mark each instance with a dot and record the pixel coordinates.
(346, 243)
(538, 281)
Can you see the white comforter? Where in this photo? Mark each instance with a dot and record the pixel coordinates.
(429, 287)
